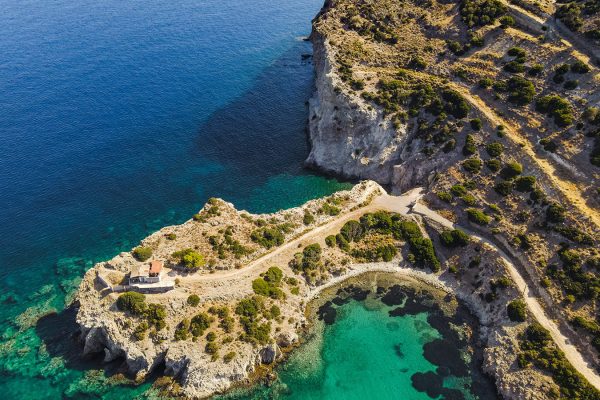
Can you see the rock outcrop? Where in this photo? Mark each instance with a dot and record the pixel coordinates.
(348, 137)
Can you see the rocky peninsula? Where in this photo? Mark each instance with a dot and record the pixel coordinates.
(499, 207)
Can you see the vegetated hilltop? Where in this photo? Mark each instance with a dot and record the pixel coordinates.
(490, 104)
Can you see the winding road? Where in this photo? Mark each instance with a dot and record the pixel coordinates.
(406, 204)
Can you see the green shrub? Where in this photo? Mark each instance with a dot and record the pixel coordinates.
(227, 358)
(133, 302)
(171, 236)
(456, 105)
(182, 330)
(458, 190)
(352, 231)
(193, 300)
(330, 241)
(520, 90)
(454, 238)
(274, 275)
(469, 148)
(579, 67)
(517, 52)
(142, 253)
(556, 107)
(486, 83)
(477, 216)
(476, 124)
(139, 333)
(200, 323)
(444, 196)
(511, 170)
(472, 165)
(525, 183)
(507, 21)
(481, 12)
(555, 213)
(493, 165)
(503, 188)
(308, 218)
(156, 314)
(267, 237)
(535, 69)
(549, 145)
(190, 259)
(517, 310)
(570, 15)
(329, 209)
(494, 149)
(514, 67)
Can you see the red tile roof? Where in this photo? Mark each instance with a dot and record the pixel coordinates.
(156, 267)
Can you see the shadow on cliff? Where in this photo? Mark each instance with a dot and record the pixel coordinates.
(60, 334)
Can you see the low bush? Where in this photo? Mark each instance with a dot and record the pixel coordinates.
(477, 216)
(454, 238)
(494, 149)
(476, 124)
(555, 213)
(511, 170)
(142, 253)
(520, 90)
(556, 107)
(472, 165)
(190, 259)
(308, 218)
(469, 148)
(133, 302)
(503, 188)
(517, 310)
(493, 165)
(193, 300)
(525, 183)
(579, 67)
(267, 237)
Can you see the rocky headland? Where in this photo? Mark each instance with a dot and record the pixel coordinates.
(505, 218)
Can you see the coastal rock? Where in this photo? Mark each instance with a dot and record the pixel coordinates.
(347, 138)
(269, 353)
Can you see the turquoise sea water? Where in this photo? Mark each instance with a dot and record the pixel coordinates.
(368, 353)
(119, 118)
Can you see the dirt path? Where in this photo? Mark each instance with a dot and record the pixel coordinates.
(571, 191)
(571, 353)
(400, 204)
(406, 204)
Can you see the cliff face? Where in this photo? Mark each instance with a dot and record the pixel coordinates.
(348, 137)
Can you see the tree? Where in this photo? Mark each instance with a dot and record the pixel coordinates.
(555, 213)
(352, 231)
(478, 216)
(193, 300)
(142, 253)
(517, 310)
(525, 183)
(133, 302)
(454, 238)
(520, 90)
(472, 165)
(494, 149)
(511, 170)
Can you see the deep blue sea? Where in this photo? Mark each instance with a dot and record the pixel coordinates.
(120, 117)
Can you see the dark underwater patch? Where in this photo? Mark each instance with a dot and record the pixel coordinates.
(327, 313)
(445, 353)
